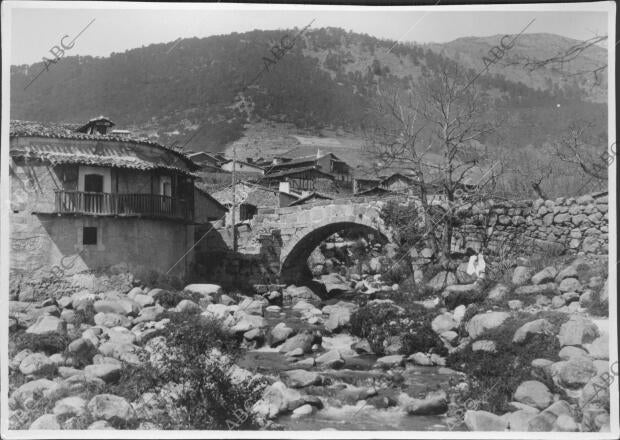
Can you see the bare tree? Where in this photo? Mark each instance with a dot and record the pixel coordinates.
(580, 148)
(433, 132)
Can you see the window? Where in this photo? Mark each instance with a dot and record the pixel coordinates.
(89, 235)
(93, 183)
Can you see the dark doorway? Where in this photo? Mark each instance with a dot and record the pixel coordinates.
(93, 183)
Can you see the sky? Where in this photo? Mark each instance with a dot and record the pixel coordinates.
(34, 31)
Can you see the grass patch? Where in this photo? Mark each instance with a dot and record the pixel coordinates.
(494, 377)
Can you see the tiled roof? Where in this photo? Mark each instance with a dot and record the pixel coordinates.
(252, 194)
(67, 131)
(109, 156)
(314, 195)
(296, 171)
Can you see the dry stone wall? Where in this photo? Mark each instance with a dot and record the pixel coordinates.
(564, 225)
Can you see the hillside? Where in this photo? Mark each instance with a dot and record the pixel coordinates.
(200, 94)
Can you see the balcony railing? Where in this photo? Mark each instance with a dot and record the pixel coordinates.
(147, 205)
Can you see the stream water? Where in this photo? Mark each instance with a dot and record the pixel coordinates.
(343, 409)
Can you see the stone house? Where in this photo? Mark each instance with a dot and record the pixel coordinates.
(82, 193)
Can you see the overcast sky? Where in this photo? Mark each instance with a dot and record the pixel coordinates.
(35, 31)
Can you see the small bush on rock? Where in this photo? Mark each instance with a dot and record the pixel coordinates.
(50, 344)
(496, 376)
(381, 322)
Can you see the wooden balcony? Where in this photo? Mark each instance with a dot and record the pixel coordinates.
(126, 205)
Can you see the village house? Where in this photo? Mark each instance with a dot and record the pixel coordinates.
(107, 199)
(327, 163)
(247, 168)
(308, 178)
(248, 197)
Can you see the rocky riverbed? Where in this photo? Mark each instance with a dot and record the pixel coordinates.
(318, 374)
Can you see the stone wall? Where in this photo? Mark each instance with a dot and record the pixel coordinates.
(563, 225)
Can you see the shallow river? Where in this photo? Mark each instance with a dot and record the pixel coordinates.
(342, 408)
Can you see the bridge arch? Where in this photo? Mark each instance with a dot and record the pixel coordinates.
(294, 254)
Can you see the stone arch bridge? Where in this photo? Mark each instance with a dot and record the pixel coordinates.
(285, 237)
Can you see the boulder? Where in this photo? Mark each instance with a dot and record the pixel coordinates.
(73, 405)
(82, 349)
(557, 302)
(546, 275)
(565, 423)
(434, 403)
(421, 359)
(538, 289)
(187, 306)
(441, 280)
(361, 347)
(484, 345)
(24, 395)
(573, 373)
(301, 340)
(533, 393)
(112, 408)
(37, 364)
(277, 399)
(485, 321)
(515, 304)
(596, 391)
(112, 320)
(599, 348)
(570, 351)
(567, 272)
(443, 323)
(498, 292)
(280, 333)
(302, 411)
(100, 424)
(120, 335)
(294, 294)
(74, 385)
(577, 331)
(108, 372)
(248, 322)
(204, 290)
(538, 326)
(48, 325)
(521, 275)
(518, 420)
(300, 378)
(570, 285)
(459, 313)
(335, 283)
(330, 359)
(484, 421)
(392, 361)
(147, 314)
(251, 307)
(119, 306)
(46, 422)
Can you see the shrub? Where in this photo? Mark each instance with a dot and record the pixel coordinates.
(85, 315)
(496, 376)
(168, 299)
(50, 344)
(404, 220)
(380, 322)
(198, 354)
